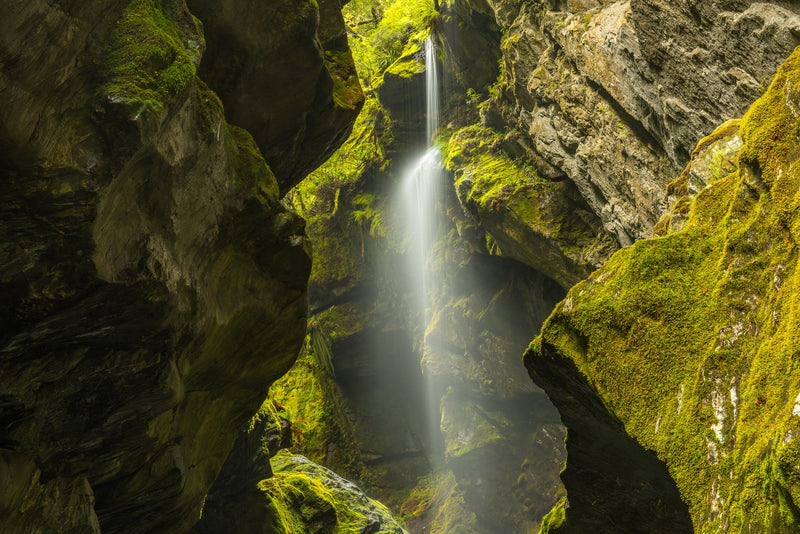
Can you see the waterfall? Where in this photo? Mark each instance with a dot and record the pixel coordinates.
(431, 91)
(421, 193)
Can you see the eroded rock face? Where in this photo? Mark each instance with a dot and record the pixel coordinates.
(616, 95)
(294, 88)
(326, 502)
(153, 285)
(689, 340)
(502, 438)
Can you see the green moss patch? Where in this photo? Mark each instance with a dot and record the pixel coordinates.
(555, 518)
(307, 498)
(153, 55)
(528, 218)
(436, 506)
(386, 33)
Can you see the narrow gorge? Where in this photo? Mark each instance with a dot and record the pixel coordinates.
(399, 266)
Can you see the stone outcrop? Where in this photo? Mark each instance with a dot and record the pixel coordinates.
(541, 223)
(294, 87)
(469, 413)
(615, 95)
(324, 502)
(153, 286)
(502, 439)
(687, 342)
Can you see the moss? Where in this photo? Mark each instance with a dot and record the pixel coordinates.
(341, 214)
(409, 64)
(484, 173)
(460, 415)
(715, 157)
(306, 497)
(555, 518)
(530, 219)
(249, 168)
(437, 506)
(153, 55)
(311, 400)
(347, 91)
(690, 338)
(396, 28)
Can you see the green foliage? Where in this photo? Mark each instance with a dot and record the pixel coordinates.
(690, 339)
(367, 215)
(154, 51)
(341, 215)
(409, 63)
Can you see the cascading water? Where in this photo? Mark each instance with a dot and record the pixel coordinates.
(485, 423)
(421, 193)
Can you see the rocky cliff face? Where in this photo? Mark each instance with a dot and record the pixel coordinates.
(153, 285)
(614, 95)
(688, 341)
(439, 420)
(559, 157)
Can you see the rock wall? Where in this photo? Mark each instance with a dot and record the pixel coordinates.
(689, 340)
(614, 95)
(153, 286)
(611, 99)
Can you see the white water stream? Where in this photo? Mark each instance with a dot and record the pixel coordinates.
(421, 194)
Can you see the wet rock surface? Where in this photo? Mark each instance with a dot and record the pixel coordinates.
(152, 284)
(294, 87)
(687, 341)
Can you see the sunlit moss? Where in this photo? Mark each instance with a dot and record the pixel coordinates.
(311, 400)
(554, 518)
(384, 32)
(304, 497)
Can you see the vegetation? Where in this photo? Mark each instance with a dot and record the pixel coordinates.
(385, 30)
(436, 506)
(304, 497)
(155, 49)
(555, 518)
(311, 400)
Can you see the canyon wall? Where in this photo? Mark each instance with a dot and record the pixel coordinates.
(153, 285)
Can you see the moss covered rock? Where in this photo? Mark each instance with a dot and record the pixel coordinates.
(285, 73)
(308, 498)
(615, 95)
(154, 285)
(688, 340)
(542, 223)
